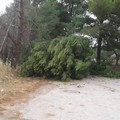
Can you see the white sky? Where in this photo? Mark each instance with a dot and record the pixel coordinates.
(4, 4)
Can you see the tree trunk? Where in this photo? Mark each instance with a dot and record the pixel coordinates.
(99, 50)
(5, 38)
(117, 57)
(20, 31)
(117, 60)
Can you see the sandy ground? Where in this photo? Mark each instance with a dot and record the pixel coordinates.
(13, 88)
(95, 98)
(16, 90)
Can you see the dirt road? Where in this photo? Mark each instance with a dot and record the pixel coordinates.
(89, 99)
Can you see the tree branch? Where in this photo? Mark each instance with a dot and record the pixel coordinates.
(6, 35)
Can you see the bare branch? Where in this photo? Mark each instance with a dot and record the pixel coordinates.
(6, 34)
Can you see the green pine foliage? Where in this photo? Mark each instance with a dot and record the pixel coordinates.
(63, 58)
(103, 70)
(109, 72)
(34, 66)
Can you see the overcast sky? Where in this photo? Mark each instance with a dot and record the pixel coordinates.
(3, 4)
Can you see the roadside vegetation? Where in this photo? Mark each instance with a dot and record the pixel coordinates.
(66, 39)
(14, 88)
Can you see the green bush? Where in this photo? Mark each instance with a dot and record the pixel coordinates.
(97, 69)
(81, 69)
(104, 70)
(63, 58)
(36, 62)
(109, 72)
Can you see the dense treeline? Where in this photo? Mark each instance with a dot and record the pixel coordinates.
(62, 39)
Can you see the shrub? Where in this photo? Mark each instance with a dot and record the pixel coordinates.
(63, 58)
(97, 69)
(109, 72)
(104, 70)
(81, 69)
(36, 62)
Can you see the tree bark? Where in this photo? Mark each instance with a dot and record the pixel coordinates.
(117, 58)
(20, 31)
(99, 49)
(7, 32)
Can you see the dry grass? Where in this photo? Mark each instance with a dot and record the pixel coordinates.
(13, 88)
(6, 70)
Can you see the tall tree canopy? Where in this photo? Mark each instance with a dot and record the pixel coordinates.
(106, 10)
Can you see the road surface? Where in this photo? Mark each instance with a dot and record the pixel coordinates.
(94, 98)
